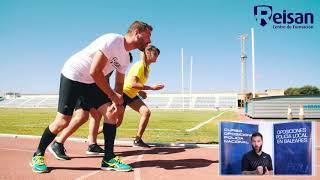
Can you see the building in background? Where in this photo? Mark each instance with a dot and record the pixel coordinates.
(276, 107)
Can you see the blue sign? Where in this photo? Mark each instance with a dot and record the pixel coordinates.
(234, 143)
(293, 148)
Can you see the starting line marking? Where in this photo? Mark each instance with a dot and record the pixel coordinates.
(137, 172)
(86, 176)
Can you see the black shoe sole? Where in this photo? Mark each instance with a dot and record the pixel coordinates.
(135, 145)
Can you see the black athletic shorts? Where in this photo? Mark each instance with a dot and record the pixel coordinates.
(71, 91)
(83, 104)
(127, 100)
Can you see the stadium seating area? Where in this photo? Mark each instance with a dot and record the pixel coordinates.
(155, 101)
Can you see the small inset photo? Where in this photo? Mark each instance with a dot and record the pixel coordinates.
(267, 148)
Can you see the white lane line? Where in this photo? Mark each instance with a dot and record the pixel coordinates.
(205, 122)
(137, 172)
(86, 176)
(149, 129)
(24, 150)
(12, 149)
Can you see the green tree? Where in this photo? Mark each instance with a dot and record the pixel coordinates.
(305, 90)
(309, 90)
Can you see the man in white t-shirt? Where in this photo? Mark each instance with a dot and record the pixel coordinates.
(83, 77)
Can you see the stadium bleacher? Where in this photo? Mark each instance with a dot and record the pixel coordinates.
(154, 101)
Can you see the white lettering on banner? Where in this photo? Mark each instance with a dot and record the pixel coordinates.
(234, 136)
(290, 136)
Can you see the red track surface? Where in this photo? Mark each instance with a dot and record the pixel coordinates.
(154, 163)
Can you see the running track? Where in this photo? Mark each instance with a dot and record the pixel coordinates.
(155, 163)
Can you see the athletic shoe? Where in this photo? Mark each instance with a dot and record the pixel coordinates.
(115, 164)
(140, 143)
(94, 149)
(58, 150)
(38, 164)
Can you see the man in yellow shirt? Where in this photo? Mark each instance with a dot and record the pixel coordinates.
(134, 85)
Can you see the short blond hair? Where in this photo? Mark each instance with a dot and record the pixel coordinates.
(140, 26)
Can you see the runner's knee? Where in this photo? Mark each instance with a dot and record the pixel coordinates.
(61, 122)
(81, 117)
(145, 112)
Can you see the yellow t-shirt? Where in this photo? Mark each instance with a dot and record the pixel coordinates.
(136, 70)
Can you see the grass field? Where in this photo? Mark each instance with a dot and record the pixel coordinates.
(164, 125)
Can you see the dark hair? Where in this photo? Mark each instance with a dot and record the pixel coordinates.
(131, 58)
(158, 51)
(255, 134)
(152, 47)
(140, 26)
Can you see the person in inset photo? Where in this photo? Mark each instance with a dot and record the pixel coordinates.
(256, 162)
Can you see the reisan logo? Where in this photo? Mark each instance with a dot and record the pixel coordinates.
(283, 20)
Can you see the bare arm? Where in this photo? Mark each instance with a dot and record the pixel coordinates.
(249, 173)
(135, 84)
(119, 82)
(119, 89)
(258, 171)
(98, 63)
(268, 172)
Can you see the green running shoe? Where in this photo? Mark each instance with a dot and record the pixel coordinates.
(38, 164)
(115, 164)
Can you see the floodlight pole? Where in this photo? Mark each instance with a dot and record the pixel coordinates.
(253, 65)
(190, 88)
(182, 84)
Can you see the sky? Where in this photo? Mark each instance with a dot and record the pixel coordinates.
(37, 37)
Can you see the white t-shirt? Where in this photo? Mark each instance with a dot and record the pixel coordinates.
(77, 67)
